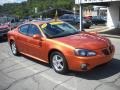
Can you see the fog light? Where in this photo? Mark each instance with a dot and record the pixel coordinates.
(84, 66)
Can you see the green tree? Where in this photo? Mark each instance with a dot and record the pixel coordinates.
(27, 8)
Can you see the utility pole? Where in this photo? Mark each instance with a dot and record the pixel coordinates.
(81, 15)
(79, 2)
(36, 10)
(74, 11)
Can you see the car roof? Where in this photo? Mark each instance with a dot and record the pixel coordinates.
(42, 22)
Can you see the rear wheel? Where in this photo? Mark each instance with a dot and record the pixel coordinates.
(14, 48)
(58, 62)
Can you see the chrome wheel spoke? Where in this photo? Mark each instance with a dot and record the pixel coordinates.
(60, 66)
(56, 57)
(54, 62)
(13, 47)
(60, 60)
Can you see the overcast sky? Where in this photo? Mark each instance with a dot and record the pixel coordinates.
(10, 1)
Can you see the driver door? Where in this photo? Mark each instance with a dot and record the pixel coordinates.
(36, 46)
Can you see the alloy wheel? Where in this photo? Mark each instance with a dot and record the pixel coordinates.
(13, 48)
(58, 62)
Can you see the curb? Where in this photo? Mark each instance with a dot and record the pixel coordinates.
(111, 36)
(102, 30)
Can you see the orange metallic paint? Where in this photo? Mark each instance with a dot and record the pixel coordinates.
(39, 49)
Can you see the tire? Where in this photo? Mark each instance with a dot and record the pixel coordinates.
(59, 63)
(14, 48)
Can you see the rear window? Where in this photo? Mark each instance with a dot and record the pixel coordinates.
(24, 29)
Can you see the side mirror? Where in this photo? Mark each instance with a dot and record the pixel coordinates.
(38, 37)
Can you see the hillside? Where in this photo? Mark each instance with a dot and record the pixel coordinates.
(28, 8)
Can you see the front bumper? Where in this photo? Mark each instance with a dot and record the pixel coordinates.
(78, 63)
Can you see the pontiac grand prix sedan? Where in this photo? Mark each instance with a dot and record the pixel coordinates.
(61, 45)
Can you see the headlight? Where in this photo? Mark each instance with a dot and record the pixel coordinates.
(84, 52)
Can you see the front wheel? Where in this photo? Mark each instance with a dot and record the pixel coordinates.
(58, 62)
(14, 48)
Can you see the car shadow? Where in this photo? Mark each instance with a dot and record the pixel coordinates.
(35, 60)
(100, 72)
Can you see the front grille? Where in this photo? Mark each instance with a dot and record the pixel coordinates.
(107, 51)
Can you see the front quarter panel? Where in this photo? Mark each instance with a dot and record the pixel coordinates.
(59, 46)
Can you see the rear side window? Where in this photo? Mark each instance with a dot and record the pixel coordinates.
(24, 29)
(33, 30)
(64, 17)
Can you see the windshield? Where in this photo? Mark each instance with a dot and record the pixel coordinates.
(77, 17)
(58, 29)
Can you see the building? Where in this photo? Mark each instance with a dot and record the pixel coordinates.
(95, 11)
(113, 10)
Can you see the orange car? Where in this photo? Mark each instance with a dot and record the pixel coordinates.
(61, 45)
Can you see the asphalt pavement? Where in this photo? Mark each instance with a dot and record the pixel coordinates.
(24, 73)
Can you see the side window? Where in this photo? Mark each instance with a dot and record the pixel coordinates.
(62, 17)
(24, 29)
(71, 17)
(33, 30)
(66, 17)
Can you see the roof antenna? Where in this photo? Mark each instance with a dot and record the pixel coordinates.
(56, 16)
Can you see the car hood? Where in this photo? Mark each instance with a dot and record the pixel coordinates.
(85, 41)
